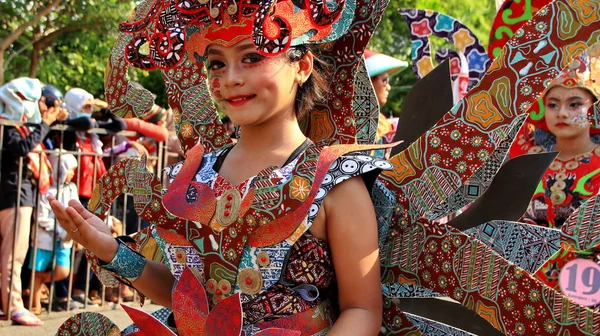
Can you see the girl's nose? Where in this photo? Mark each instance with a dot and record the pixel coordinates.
(233, 77)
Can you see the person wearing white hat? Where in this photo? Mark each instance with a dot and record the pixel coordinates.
(379, 68)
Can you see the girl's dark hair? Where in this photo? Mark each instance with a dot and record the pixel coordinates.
(314, 89)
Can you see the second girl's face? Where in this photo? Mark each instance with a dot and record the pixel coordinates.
(248, 87)
(566, 111)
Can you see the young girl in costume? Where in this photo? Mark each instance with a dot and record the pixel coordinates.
(251, 259)
(323, 259)
(573, 177)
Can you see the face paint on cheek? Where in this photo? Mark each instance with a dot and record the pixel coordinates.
(215, 86)
(581, 118)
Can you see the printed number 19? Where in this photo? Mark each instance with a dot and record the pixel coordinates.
(590, 277)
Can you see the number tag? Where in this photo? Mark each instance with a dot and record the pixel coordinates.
(580, 281)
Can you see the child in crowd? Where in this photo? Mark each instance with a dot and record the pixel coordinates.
(50, 236)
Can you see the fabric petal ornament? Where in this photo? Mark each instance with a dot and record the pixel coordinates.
(148, 324)
(415, 174)
(279, 332)
(190, 305)
(124, 98)
(425, 23)
(88, 323)
(512, 15)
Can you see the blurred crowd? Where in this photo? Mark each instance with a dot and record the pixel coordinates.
(39, 160)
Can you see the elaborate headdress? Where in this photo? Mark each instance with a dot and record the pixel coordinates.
(583, 72)
(173, 28)
(173, 35)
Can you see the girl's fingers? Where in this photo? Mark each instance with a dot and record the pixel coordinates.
(81, 226)
(80, 209)
(61, 214)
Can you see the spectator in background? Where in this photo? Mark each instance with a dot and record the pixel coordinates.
(80, 104)
(78, 122)
(63, 190)
(380, 67)
(21, 100)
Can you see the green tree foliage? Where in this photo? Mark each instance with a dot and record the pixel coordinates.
(67, 45)
(392, 36)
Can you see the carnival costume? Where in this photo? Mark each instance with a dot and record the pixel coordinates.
(567, 183)
(243, 258)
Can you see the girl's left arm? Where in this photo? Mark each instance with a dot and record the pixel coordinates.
(352, 236)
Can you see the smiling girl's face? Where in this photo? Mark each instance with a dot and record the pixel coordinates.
(248, 87)
(566, 111)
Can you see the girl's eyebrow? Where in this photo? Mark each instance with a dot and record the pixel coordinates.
(569, 98)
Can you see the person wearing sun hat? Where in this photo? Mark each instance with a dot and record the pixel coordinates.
(566, 126)
(380, 67)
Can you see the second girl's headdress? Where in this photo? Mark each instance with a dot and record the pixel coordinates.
(583, 72)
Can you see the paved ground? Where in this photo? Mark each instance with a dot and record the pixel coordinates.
(54, 320)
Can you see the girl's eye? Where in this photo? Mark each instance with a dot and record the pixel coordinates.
(215, 65)
(576, 105)
(551, 105)
(253, 58)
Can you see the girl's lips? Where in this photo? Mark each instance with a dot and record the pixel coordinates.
(562, 124)
(239, 100)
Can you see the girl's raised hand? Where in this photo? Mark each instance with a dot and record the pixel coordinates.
(85, 228)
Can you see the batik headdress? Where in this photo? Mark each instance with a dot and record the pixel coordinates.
(172, 35)
(583, 72)
(172, 28)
